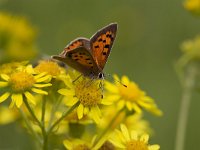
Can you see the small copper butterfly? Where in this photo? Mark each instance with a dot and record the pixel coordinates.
(89, 56)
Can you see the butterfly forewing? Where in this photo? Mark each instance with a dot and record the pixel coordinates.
(101, 44)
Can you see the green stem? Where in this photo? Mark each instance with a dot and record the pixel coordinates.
(44, 134)
(61, 118)
(32, 113)
(54, 109)
(35, 135)
(45, 137)
(108, 127)
(43, 111)
(184, 108)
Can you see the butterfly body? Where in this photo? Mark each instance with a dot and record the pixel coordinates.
(89, 56)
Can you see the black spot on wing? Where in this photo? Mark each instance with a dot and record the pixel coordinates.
(100, 40)
(104, 53)
(107, 46)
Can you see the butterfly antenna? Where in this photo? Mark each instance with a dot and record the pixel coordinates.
(118, 81)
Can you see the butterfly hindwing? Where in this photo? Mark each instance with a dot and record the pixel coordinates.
(76, 43)
(80, 59)
(101, 44)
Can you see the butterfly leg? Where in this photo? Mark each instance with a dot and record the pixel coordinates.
(77, 78)
(101, 86)
(92, 79)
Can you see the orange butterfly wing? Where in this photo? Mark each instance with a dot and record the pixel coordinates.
(77, 55)
(101, 44)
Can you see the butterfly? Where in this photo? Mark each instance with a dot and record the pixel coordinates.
(89, 56)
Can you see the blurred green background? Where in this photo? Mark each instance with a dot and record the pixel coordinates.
(147, 46)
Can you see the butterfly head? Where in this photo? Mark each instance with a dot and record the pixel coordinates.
(101, 75)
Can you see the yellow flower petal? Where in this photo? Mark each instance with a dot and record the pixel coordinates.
(121, 104)
(30, 97)
(68, 144)
(3, 84)
(95, 114)
(40, 75)
(5, 77)
(17, 98)
(42, 85)
(116, 77)
(70, 100)
(111, 87)
(12, 103)
(86, 110)
(39, 91)
(119, 145)
(66, 92)
(125, 80)
(4, 96)
(154, 147)
(108, 100)
(134, 135)
(144, 138)
(43, 79)
(136, 108)
(30, 69)
(80, 111)
(121, 136)
(125, 132)
(129, 105)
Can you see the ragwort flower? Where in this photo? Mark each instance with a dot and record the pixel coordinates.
(81, 144)
(131, 141)
(21, 83)
(130, 96)
(88, 93)
(193, 6)
(50, 67)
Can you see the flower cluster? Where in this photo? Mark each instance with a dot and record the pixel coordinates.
(56, 103)
(192, 6)
(62, 101)
(17, 36)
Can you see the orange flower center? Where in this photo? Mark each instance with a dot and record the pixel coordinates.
(88, 92)
(50, 67)
(136, 145)
(21, 81)
(81, 147)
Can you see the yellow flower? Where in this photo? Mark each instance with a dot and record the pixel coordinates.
(131, 141)
(50, 67)
(81, 144)
(17, 37)
(51, 115)
(21, 84)
(137, 123)
(132, 121)
(130, 96)
(8, 115)
(9, 68)
(192, 6)
(88, 93)
(191, 48)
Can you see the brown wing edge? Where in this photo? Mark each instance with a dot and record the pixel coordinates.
(112, 27)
